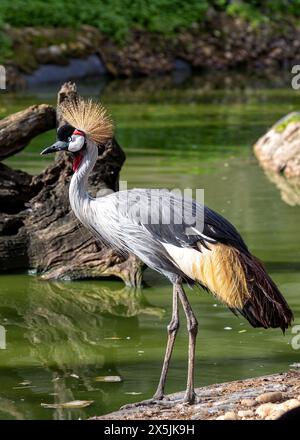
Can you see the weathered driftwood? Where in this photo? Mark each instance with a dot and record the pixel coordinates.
(266, 397)
(17, 130)
(39, 231)
(15, 192)
(279, 149)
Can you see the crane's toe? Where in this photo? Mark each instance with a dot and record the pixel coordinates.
(190, 398)
(163, 401)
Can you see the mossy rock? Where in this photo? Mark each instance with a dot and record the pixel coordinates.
(25, 59)
(278, 150)
(283, 123)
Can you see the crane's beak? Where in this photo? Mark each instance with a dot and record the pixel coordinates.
(58, 146)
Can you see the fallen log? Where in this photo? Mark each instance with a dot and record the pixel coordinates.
(17, 130)
(40, 232)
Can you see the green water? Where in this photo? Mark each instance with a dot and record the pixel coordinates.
(61, 338)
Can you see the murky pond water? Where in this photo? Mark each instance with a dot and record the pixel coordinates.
(63, 338)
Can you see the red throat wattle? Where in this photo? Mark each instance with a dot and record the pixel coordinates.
(77, 160)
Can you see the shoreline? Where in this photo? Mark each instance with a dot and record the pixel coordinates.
(220, 44)
(259, 398)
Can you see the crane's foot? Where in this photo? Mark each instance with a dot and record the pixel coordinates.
(161, 401)
(189, 399)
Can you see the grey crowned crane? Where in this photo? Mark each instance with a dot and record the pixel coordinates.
(215, 257)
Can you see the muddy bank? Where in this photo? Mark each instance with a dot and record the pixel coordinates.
(219, 43)
(266, 397)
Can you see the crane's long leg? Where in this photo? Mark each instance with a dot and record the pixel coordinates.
(172, 332)
(192, 326)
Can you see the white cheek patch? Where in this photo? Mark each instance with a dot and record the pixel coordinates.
(76, 143)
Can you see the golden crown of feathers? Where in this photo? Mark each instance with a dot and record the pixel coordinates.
(90, 117)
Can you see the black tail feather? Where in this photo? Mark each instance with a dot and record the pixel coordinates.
(266, 306)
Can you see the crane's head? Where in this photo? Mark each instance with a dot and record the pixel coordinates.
(87, 125)
(69, 139)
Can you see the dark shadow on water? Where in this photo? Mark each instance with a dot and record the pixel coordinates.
(176, 84)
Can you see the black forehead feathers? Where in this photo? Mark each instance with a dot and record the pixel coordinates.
(64, 132)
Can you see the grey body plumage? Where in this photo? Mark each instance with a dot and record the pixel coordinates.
(112, 218)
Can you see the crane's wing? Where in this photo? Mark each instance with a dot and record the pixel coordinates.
(171, 218)
(215, 255)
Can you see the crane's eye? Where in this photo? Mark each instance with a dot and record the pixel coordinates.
(76, 143)
(69, 139)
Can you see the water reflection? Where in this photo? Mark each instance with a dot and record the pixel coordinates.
(289, 188)
(74, 332)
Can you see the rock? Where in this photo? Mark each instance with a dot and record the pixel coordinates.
(279, 149)
(271, 411)
(290, 404)
(248, 402)
(269, 397)
(295, 365)
(75, 69)
(246, 413)
(265, 410)
(182, 66)
(52, 54)
(200, 415)
(229, 415)
(275, 414)
(282, 408)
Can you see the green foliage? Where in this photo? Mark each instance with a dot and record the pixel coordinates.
(117, 17)
(5, 47)
(259, 11)
(247, 12)
(5, 44)
(113, 17)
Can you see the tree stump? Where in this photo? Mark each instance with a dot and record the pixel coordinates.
(39, 231)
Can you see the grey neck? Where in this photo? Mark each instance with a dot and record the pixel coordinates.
(78, 195)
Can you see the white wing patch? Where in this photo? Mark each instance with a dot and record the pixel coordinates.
(218, 268)
(187, 259)
(209, 239)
